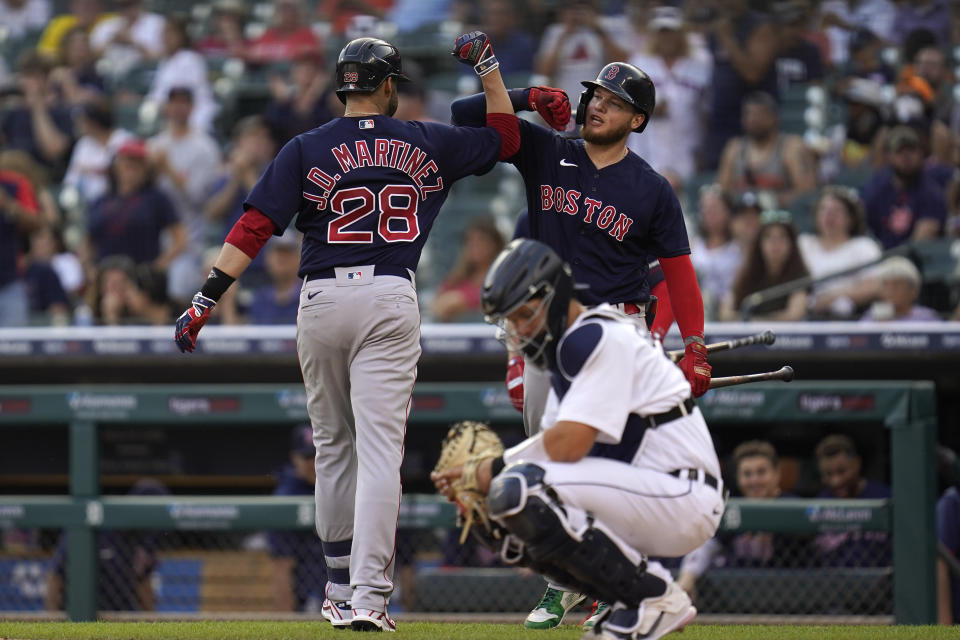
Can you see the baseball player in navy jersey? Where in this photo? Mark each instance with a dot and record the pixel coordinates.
(365, 189)
(608, 214)
(624, 467)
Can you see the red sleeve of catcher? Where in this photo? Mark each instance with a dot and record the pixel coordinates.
(664, 318)
(685, 298)
(508, 127)
(251, 232)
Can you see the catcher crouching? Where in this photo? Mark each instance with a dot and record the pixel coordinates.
(624, 467)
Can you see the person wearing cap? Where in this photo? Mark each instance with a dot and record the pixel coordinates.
(133, 215)
(764, 158)
(299, 569)
(90, 160)
(681, 73)
(745, 224)
(899, 289)
(278, 301)
(903, 202)
(799, 62)
(289, 36)
(774, 259)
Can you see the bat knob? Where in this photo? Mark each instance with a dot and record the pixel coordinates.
(786, 373)
(768, 337)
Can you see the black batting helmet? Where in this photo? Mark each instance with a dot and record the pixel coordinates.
(364, 64)
(626, 81)
(526, 270)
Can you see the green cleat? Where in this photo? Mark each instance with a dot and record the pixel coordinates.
(599, 607)
(553, 606)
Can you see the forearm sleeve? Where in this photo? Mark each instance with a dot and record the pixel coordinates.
(664, 318)
(685, 298)
(472, 110)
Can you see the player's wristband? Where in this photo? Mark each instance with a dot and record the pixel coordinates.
(497, 466)
(485, 66)
(216, 285)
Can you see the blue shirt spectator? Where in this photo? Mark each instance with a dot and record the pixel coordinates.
(948, 532)
(279, 301)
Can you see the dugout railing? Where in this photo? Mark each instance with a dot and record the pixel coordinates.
(906, 409)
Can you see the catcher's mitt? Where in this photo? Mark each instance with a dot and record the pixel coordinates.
(466, 444)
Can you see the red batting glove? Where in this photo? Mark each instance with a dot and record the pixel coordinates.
(515, 382)
(191, 321)
(694, 365)
(552, 104)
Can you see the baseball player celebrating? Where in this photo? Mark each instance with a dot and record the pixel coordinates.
(625, 466)
(366, 189)
(608, 214)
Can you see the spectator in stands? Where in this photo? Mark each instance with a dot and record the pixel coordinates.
(774, 259)
(21, 17)
(764, 159)
(130, 219)
(85, 14)
(746, 223)
(182, 67)
(840, 244)
(132, 36)
(49, 304)
(279, 301)
(716, 255)
(843, 18)
(458, 296)
(99, 140)
(18, 215)
(304, 100)
(865, 60)
(516, 53)
(924, 88)
(47, 245)
(187, 160)
(681, 75)
(126, 561)
(757, 470)
(900, 283)
(799, 61)
(344, 13)
(931, 15)
(299, 571)
(948, 533)
(40, 123)
(413, 99)
(743, 44)
(903, 203)
(75, 75)
(227, 39)
(289, 37)
(840, 473)
(857, 146)
(410, 15)
(930, 65)
(24, 164)
(126, 294)
(579, 43)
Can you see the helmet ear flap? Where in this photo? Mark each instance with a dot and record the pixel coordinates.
(585, 97)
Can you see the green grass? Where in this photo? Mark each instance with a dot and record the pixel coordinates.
(432, 630)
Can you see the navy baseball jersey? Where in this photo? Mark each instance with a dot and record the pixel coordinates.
(367, 190)
(608, 224)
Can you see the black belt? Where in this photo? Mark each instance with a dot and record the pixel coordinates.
(708, 479)
(685, 408)
(378, 270)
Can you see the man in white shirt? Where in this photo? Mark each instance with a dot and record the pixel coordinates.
(20, 17)
(625, 466)
(91, 157)
(129, 37)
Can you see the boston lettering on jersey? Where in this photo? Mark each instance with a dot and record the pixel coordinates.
(387, 152)
(592, 211)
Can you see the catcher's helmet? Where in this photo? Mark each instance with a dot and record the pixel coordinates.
(526, 270)
(364, 64)
(626, 81)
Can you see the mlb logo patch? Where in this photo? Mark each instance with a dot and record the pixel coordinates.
(354, 275)
(366, 124)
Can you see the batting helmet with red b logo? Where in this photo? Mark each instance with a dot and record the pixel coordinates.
(626, 81)
(364, 64)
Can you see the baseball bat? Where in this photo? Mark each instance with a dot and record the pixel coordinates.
(784, 373)
(765, 337)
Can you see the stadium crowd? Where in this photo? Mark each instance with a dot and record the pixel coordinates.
(806, 139)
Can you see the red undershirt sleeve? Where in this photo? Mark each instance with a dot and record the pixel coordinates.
(508, 127)
(251, 232)
(664, 318)
(685, 298)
